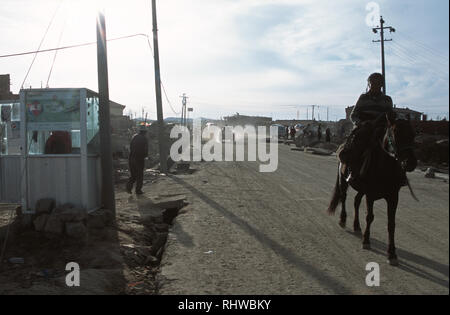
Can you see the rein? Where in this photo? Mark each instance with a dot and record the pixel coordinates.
(394, 151)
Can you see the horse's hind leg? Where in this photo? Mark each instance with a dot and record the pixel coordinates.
(392, 209)
(343, 187)
(357, 203)
(369, 220)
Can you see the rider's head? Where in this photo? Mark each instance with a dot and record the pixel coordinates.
(375, 82)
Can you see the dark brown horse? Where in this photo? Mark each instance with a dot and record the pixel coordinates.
(382, 180)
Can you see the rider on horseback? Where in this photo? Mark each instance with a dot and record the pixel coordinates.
(368, 117)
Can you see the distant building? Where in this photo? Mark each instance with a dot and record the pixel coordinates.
(5, 88)
(116, 109)
(243, 120)
(402, 113)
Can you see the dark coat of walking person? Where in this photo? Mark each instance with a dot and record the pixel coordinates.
(136, 161)
(328, 135)
(293, 131)
(319, 133)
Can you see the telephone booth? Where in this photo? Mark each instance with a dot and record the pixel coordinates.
(50, 148)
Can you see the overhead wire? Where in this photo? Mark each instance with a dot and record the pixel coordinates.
(56, 52)
(42, 41)
(162, 84)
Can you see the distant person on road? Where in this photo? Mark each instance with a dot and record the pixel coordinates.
(293, 131)
(319, 133)
(328, 135)
(136, 160)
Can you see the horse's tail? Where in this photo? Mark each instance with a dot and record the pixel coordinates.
(336, 199)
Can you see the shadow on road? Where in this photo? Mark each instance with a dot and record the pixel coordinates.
(405, 256)
(285, 253)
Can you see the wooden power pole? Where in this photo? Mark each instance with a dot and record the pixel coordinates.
(382, 40)
(108, 199)
(159, 111)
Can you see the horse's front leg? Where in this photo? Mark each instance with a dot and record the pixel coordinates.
(343, 189)
(369, 220)
(357, 203)
(392, 209)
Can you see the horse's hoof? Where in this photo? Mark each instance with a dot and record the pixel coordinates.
(393, 261)
(342, 224)
(366, 246)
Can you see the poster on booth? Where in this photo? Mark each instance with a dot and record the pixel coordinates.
(6, 113)
(53, 110)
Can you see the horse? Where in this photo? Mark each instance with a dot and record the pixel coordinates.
(389, 159)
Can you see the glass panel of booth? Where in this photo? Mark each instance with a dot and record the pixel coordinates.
(53, 120)
(10, 127)
(92, 124)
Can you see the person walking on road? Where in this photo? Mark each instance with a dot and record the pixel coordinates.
(328, 135)
(136, 160)
(293, 131)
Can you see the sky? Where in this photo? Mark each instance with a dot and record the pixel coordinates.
(253, 57)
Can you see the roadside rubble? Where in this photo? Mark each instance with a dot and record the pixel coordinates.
(120, 256)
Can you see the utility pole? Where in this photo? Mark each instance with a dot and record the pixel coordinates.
(159, 111)
(108, 199)
(183, 109)
(382, 40)
(327, 112)
(313, 106)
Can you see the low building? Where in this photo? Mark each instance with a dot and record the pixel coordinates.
(241, 120)
(5, 88)
(402, 113)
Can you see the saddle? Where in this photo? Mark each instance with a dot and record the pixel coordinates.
(357, 151)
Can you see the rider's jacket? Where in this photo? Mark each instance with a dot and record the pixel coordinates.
(370, 106)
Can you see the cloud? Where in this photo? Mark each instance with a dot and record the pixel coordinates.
(249, 56)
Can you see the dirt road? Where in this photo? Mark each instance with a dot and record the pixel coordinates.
(246, 232)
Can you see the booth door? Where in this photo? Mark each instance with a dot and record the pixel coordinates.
(10, 179)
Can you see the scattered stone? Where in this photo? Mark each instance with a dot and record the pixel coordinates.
(54, 225)
(76, 230)
(45, 205)
(40, 222)
(70, 214)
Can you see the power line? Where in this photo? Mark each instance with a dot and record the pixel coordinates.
(40, 44)
(162, 85)
(56, 52)
(70, 46)
(424, 46)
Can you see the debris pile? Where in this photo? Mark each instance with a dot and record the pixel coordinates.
(64, 219)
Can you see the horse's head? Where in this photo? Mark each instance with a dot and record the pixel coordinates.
(400, 137)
